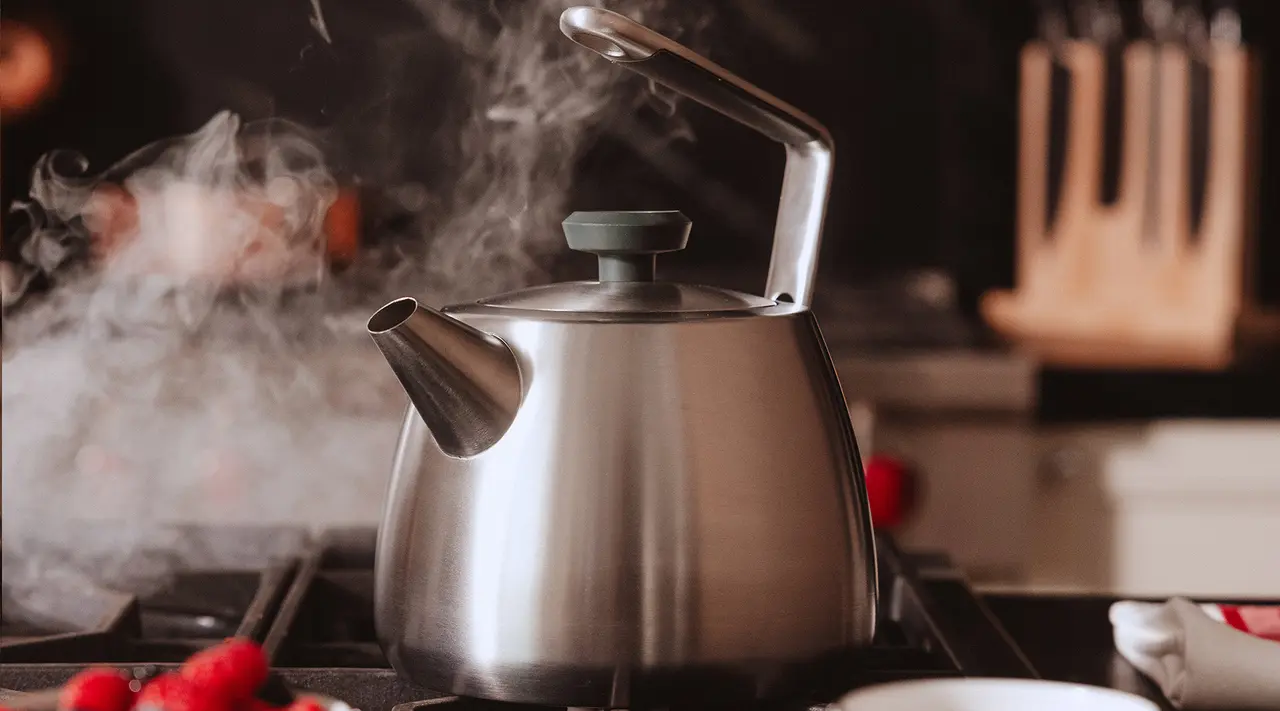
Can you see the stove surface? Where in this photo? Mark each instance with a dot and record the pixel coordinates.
(313, 613)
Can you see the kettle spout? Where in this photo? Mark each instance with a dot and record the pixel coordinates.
(464, 382)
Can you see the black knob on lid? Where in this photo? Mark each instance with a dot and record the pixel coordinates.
(626, 242)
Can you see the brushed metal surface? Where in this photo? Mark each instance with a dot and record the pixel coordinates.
(623, 300)
(678, 505)
(675, 502)
(464, 382)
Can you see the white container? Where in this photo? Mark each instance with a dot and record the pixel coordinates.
(990, 695)
(1196, 510)
(1166, 508)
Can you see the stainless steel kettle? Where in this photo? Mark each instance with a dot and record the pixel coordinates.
(611, 493)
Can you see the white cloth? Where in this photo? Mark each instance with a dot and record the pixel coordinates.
(1198, 662)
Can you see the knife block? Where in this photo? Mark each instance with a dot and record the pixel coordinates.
(1131, 284)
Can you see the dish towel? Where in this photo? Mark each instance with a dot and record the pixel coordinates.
(1204, 656)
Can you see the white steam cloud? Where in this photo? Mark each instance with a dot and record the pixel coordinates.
(199, 371)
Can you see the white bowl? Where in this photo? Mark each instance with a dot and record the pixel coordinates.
(990, 695)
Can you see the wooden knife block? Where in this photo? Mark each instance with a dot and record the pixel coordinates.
(1127, 284)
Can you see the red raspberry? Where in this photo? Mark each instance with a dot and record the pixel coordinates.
(96, 689)
(170, 692)
(305, 704)
(254, 704)
(233, 670)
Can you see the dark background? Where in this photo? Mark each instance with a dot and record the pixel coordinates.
(921, 96)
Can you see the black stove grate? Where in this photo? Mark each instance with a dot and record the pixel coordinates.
(314, 616)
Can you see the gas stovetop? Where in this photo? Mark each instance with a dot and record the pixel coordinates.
(313, 613)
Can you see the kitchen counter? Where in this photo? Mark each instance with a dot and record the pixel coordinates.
(1068, 638)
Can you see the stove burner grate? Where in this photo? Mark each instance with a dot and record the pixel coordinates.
(314, 616)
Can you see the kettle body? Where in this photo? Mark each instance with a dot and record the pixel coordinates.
(630, 492)
(677, 501)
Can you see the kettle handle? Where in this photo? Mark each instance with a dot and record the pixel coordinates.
(806, 184)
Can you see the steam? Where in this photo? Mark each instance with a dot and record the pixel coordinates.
(532, 100)
(197, 362)
(193, 373)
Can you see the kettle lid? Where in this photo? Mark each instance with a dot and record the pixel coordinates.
(626, 245)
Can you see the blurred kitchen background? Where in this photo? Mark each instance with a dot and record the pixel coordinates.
(1038, 461)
